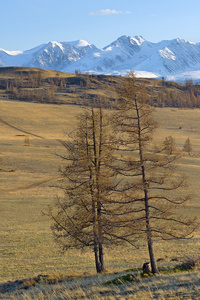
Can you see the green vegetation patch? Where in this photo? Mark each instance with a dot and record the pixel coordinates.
(122, 279)
(190, 264)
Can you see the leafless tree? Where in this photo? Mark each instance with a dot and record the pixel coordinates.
(91, 214)
(151, 181)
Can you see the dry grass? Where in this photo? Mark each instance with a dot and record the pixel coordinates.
(16, 72)
(173, 286)
(28, 183)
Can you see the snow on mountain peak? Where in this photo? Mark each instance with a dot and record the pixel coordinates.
(57, 44)
(139, 40)
(83, 43)
(182, 41)
(136, 40)
(11, 52)
(166, 53)
(78, 43)
(125, 42)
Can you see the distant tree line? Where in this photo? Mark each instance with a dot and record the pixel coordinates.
(30, 86)
(37, 95)
(189, 97)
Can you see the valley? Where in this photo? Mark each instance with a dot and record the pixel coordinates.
(30, 157)
(30, 180)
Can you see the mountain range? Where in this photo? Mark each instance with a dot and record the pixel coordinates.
(175, 59)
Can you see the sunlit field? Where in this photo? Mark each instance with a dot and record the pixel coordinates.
(30, 180)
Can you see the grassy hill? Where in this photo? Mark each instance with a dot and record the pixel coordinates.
(45, 86)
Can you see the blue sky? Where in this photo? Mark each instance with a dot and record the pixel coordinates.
(28, 23)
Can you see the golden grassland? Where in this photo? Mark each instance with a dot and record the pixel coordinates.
(29, 181)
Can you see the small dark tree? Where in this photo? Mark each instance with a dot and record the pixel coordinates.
(187, 147)
(169, 145)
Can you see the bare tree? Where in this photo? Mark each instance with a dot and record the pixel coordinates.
(89, 215)
(149, 172)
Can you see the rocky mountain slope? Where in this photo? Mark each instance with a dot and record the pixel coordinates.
(174, 59)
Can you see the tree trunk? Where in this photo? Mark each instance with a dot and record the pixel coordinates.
(101, 260)
(154, 268)
(146, 196)
(149, 235)
(97, 263)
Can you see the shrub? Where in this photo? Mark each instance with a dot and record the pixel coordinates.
(190, 263)
(122, 279)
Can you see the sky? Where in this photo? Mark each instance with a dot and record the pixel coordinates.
(26, 24)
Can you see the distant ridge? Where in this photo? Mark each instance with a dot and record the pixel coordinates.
(175, 59)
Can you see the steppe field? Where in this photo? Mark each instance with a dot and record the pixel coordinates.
(30, 151)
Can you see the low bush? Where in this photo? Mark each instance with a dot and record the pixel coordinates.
(189, 263)
(122, 279)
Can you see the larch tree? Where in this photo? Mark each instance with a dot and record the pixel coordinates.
(91, 213)
(187, 147)
(150, 179)
(169, 145)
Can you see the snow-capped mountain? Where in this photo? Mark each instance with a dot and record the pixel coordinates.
(57, 55)
(172, 59)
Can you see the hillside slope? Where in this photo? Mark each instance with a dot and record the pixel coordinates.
(46, 86)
